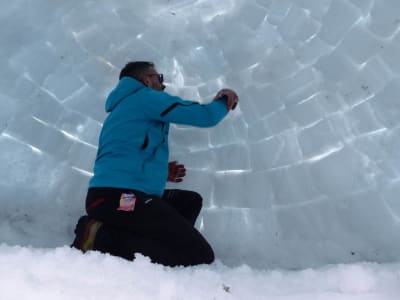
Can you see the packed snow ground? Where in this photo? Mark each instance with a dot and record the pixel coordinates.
(64, 273)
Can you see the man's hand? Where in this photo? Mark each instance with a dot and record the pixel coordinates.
(176, 172)
(231, 98)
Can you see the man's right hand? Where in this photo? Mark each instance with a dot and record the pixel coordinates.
(231, 98)
(176, 172)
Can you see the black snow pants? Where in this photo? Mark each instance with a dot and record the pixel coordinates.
(160, 228)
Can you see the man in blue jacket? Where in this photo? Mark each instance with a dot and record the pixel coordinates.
(128, 208)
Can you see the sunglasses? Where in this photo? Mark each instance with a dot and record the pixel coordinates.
(160, 77)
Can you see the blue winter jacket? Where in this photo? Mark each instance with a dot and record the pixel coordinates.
(133, 143)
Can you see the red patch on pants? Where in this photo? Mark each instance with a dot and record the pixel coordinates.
(127, 202)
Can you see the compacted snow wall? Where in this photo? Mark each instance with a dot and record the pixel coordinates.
(305, 172)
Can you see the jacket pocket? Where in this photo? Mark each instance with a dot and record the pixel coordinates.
(145, 142)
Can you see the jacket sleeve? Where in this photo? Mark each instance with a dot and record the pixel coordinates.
(164, 107)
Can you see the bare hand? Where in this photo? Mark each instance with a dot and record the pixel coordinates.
(231, 98)
(176, 172)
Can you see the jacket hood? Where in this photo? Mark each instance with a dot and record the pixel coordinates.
(127, 86)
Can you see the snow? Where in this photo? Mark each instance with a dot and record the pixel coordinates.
(303, 176)
(63, 273)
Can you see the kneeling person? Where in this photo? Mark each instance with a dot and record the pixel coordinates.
(128, 209)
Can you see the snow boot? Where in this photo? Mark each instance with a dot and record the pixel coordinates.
(86, 231)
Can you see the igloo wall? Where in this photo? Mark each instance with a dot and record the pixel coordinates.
(305, 172)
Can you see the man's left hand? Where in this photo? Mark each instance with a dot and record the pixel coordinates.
(231, 98)
(176, 172)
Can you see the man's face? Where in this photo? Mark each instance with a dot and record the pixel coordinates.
(153, 79)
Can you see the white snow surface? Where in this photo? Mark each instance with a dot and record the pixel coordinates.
(304, 175)
(63, 273)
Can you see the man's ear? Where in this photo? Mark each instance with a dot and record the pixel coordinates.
(146, 80)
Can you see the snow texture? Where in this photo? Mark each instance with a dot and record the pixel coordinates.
(62, 273)
(304, 173)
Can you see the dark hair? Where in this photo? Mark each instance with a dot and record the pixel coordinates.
(136, 69)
